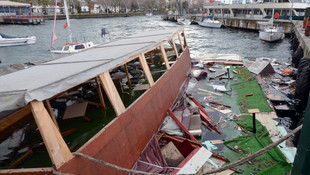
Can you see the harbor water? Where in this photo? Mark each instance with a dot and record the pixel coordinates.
(202, 42)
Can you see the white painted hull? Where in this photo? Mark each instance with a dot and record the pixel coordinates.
(271, 36)
(17, 41)
(210, 23)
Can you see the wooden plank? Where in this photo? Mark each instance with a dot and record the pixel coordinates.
(100, 93)
(112, 93)
(54, 143)
(146, 70)
(252, 111)
(214, 93)
(50, 111)
(181, 125)
(21, 159)
(127, 75)
(141, 87)
(163, 52)
(179, 36)
(175, 48)
(15, 120)
(27, 171)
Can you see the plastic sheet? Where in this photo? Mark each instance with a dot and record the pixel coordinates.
(151, 159)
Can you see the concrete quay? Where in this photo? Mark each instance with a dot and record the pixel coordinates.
(237, 22)
(303, 40)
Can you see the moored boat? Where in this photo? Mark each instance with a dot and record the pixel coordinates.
(184, 21)
(74, 47)
(270, 32)
(16, 41)
(69, 47)
(207, 22)
(134, 126)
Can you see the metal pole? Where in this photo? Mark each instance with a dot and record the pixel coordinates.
(291, 11)
(68, 20)
(254, 123)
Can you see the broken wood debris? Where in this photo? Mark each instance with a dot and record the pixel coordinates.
(214, 93)
(205, 116)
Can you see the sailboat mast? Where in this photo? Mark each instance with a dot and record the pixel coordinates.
(272, 12)
(181, 7)
(68, 21)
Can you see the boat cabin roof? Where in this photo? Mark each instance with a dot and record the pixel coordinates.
(44, 81)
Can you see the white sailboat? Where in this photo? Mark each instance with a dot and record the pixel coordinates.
(208, 22)
(70, 47)
(182, 20)
(269, 31)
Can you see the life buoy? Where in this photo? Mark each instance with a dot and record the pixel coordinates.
(66, 43)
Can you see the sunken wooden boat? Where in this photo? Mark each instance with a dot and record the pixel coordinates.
(123, 140)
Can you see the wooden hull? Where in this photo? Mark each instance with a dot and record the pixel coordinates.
(123, 140)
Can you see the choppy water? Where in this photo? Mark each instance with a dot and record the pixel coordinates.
(201, 41)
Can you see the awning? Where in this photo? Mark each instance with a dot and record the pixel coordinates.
(48, 79)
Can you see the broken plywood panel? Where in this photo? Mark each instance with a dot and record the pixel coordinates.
(266, 119)
(75, 110)
(261, 67)
(196, 162)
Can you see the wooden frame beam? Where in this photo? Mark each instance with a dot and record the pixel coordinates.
(175, 48)
(112, 93)
(185, 43)
(163, 52)
(54, 143)
(127, 75)
(50, 111)
(182, 46)
(146, 69)
(100, 93)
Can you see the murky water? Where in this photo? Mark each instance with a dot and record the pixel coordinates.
(202, 41)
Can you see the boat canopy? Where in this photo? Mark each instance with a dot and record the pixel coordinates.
(44, 81)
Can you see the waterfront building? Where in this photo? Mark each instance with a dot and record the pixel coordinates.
(19, 13)
(257, 10)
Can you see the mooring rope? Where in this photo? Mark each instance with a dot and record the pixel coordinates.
(232, 165)
(112, 165)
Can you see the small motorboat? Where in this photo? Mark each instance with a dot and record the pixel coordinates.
(74, 47)
(16, 41)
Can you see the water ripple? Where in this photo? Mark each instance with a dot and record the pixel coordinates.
(201, 41)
